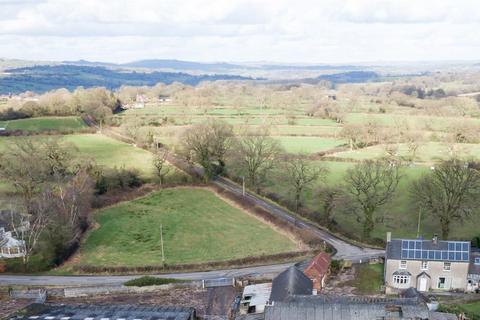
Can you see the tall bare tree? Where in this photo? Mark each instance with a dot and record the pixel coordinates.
(160, 164)
(255, 154)
(449, 193)
(301, 174)
(206, 144)
(372, 184)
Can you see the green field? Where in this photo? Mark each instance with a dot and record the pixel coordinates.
(427, 152)
(197, 227)
(398, 216)
(45, 123)
(308, 145)
(112, 153)
(105, 151)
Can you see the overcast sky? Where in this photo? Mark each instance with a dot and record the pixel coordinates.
(316, 31)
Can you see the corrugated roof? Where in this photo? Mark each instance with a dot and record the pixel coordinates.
(345, 308)
(113, 312)
(290, 282)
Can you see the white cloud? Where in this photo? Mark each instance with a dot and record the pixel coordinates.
(240, 30)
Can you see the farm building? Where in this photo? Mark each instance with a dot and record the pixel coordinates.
(318, 269)
(112, 312)
(255, 298)
(290, 282)
(350, 308)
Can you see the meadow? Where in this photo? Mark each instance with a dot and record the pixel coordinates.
(192, 219)
(299, 133)
(45, 123)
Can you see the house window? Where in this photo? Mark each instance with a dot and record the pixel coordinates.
(441, 282)
(447, 266)
(403, 264)
(477, 261)
(424, 265)
(401, 279)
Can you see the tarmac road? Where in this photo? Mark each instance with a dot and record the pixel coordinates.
(344, 249)
(266, 271)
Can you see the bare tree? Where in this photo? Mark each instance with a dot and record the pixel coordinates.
(206, 144)
(301, 174)
(372, 184)
(254, 154)
(330, 198)
(160, 164)
(449, 193)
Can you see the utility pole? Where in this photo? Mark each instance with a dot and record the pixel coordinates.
(419, 221)
(161, 243)
(243, 185)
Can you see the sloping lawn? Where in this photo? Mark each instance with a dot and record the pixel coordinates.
(46, 123)
(197, 227)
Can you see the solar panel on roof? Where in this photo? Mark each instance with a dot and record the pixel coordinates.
(414, 249)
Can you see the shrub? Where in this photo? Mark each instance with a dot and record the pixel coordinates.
(149, 281)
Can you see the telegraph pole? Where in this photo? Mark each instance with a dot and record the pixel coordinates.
(243, 185)
(161, 243)
(419, 221)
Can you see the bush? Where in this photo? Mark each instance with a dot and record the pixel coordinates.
(117, 179)
(149, 281)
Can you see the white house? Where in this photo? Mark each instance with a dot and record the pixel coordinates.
(9, 246)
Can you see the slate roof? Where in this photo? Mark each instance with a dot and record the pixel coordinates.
(113, 312)
(394, 249)
(345, 308)
(290, 282)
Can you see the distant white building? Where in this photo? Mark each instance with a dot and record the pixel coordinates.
(139, 102)
(9, 246)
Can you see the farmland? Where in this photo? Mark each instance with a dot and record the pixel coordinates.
(45, 123)
(193, 220)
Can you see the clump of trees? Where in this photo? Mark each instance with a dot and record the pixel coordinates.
(54, 194)
(98, 103)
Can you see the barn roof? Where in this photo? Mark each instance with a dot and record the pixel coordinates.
(290, 282)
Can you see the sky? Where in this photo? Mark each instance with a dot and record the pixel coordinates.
(290, 31)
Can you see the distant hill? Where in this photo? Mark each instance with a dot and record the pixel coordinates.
(181, 65)
(349, 77)
(44, 78)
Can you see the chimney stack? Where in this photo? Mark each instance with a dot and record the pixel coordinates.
(389, 236)
(435, 239)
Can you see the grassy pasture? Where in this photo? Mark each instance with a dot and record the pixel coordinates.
(427, 152)
(308, 145)
(415, 121)
(193, 222)
(45, 123)
(398, 216)
(112, 153)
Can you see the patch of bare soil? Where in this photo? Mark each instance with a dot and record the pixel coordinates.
(338, 284)
(10, 306)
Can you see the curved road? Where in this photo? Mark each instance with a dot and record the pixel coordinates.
(344, 250)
